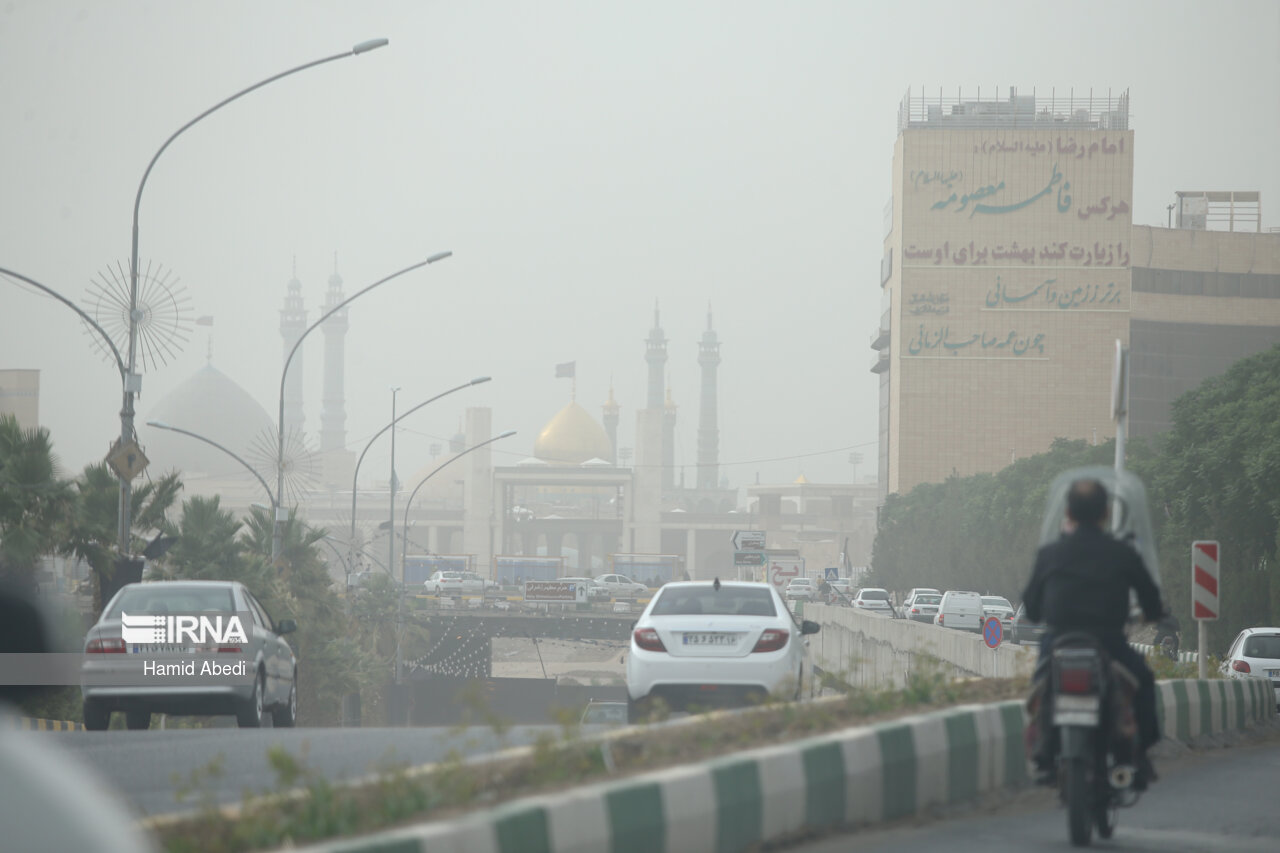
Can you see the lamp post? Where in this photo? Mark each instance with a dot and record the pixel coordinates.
(391, 515)
(132, 379)
(209, 441)
(111, 345)
(477, 381)
(278, 531)
(407, 504)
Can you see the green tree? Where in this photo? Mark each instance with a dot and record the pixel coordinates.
(34, 502)
(91, 534)
(1218, 477)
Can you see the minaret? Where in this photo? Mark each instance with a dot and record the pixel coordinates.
(708, 431)
(611, 409)
(656, 354)
(668, 443)
(293, 322)
(333, 415)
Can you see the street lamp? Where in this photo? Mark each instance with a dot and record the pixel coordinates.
(407, 504)
(477, 381)
(212, 443)
(277, 539)
(391, 515)
(132, 379)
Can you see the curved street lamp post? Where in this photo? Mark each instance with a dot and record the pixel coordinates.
(407, 504)
(132, 379)
(278, 530)
(395, 420)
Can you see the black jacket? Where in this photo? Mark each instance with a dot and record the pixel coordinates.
(1082, 582)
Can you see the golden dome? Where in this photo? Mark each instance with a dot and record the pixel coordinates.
(572, 437)
(802, 480)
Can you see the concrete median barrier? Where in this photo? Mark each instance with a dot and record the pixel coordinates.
(35, 724)
(916, 765)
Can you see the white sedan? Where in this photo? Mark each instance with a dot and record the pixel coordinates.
(621, 586)
(1255, 654)
(701, 643)
(874, 599)
(801, 588)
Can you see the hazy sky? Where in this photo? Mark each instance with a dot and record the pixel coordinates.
(581, 160)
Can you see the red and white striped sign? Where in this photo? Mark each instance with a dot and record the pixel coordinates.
(1204, 580)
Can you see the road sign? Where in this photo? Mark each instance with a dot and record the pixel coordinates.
(754, 559)
(832, 573)
(748, 540)
(783, 569)
(992, 632)
(127, 460)
(1204, 579)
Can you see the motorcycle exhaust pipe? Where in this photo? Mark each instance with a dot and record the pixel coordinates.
(1121, 776)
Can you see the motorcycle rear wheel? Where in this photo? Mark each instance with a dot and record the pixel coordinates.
(1081, 810)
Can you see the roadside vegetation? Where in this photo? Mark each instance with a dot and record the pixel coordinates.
(304, 807)
(1214, 475)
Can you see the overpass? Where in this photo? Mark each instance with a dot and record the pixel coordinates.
(865, 650)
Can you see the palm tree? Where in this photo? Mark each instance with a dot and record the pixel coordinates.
(34, 502)
(92, 533)
(206, 547)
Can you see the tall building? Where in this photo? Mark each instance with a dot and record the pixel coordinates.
(20, 396)
(293, 322)
(611, 417)
(333, 415)
(1005, 279)
(655, 355)
(337, 463)
(668, 442)
(708, 429)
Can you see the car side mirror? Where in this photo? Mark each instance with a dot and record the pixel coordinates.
(808, 626)
(286, 626)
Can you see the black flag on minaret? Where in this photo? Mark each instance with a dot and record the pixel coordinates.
(566, 370)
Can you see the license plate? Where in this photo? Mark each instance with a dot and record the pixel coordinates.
(155, 650)
(1273, 673)
(705, 639)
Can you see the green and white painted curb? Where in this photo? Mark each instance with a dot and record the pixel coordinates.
(847, 779)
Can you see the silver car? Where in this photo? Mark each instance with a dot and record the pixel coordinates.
(113, 673)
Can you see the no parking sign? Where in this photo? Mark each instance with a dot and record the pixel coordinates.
(992, 632)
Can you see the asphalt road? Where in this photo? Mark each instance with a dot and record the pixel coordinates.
(149, 767)
(1221, 801)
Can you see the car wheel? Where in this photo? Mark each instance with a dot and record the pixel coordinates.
(96, 716)
(250, 714)
(286, 716)
(137, 720)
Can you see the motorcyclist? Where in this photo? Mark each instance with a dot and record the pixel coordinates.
(1081, 582)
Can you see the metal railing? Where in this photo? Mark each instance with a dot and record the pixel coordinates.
(1010, 107)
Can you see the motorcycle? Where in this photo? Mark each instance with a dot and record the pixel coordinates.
(1082, 704)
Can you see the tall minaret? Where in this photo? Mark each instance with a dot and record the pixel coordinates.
(656, 354)
(611, 409)
(293, 322)
(708, 431)
(333, 415)
(668, 443)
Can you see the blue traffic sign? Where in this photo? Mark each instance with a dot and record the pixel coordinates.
(833, 573)
(992, 632)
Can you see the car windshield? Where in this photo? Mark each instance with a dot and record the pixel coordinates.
(167, 598)
(1262, 646)
(873, 595)
(614, 712)
(727, 601)
(996, 601)
(928, 599)
(451, 576)
(800, 582)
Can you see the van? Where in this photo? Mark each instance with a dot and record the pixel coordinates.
(960, 610)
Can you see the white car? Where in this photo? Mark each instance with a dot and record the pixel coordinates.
(1256, 654)
(621, 586)
(444, 583)
(998, 605)
(472, 583)
(960, 610)
(801, 588)
(841, 585)
(873, 599)
(921, 607)
(707, 643)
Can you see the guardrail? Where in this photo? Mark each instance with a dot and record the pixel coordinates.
(846, 779)
(1183, 657)
(36, 724)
